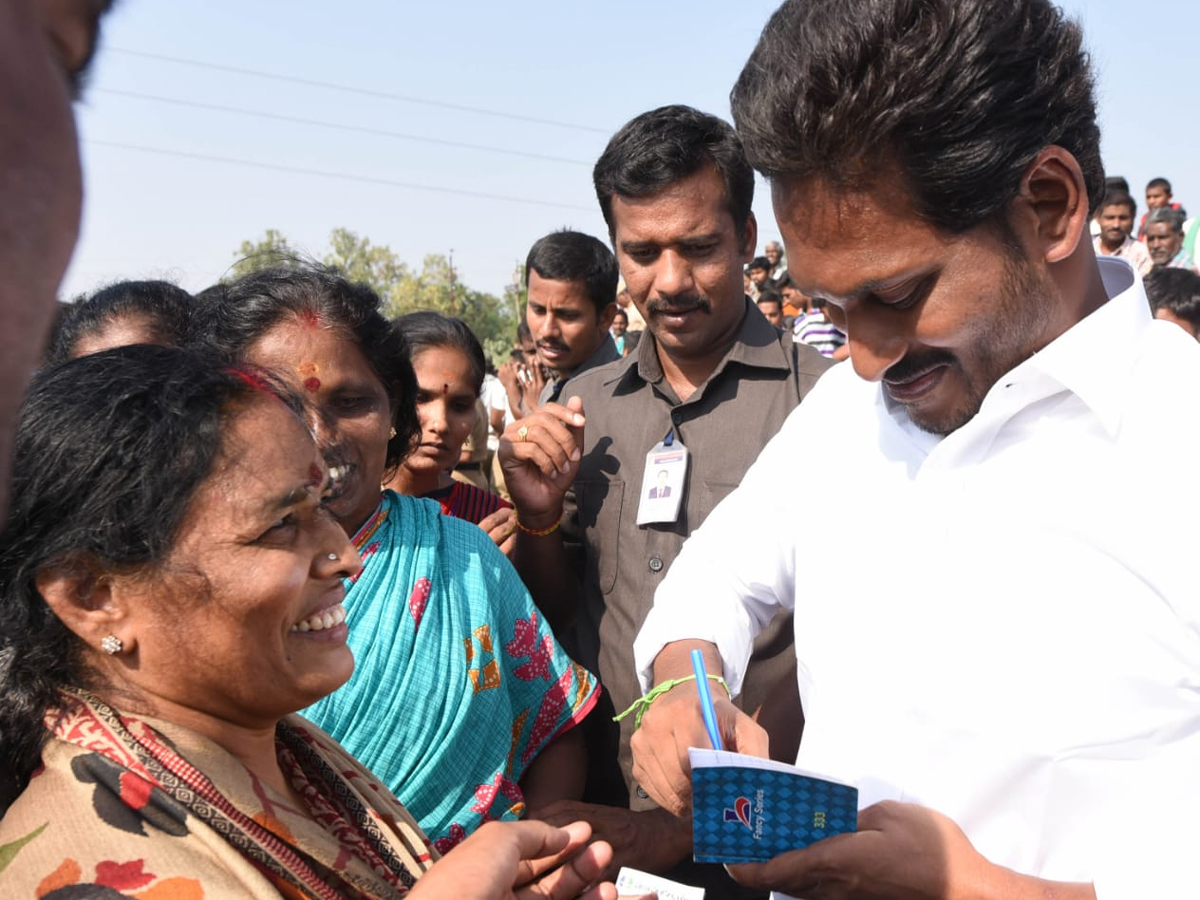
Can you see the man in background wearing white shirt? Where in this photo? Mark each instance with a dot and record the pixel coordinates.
(1001, 643)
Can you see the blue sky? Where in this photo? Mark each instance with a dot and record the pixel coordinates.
(175, 185)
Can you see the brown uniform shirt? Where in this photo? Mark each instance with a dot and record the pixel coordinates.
(629, 408)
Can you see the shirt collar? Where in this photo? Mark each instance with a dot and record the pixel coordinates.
(607, 352)
(1087, 359)
(757, 345)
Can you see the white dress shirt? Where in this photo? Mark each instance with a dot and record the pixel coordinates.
(1002, 624)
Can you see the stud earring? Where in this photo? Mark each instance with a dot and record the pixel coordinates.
(392, 433)
(111, 645)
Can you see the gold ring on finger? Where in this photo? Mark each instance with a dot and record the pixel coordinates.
(523, 433)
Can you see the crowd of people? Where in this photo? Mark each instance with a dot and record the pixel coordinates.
(299, 601)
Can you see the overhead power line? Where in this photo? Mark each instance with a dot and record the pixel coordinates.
(344, 176)
(360, 129)
(352, 89)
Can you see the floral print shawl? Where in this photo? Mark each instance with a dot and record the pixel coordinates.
(127, 807)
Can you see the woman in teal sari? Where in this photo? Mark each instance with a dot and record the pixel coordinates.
(461, 701)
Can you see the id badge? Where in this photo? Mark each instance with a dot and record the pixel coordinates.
(663, 483)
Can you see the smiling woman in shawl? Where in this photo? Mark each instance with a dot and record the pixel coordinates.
(461, 700)
(171, 592)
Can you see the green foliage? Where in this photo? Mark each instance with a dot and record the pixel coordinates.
(436, 287)
(359, 260)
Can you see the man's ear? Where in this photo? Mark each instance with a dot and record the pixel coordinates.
(1054, 203)
(607, 315)
(83, 599)
(751, 242)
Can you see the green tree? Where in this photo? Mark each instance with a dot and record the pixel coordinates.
(436, 287)
(360, 260)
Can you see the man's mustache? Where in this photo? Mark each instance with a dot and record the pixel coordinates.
(911, 367)
(675, 305)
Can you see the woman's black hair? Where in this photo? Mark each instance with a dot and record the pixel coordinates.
(110, 450)
(164, 308)
(423, 330)
(231, 317)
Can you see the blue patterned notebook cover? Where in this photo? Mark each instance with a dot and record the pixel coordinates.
(746, 809)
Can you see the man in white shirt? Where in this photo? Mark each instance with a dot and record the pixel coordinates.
(1116, 215)
(1001, 644)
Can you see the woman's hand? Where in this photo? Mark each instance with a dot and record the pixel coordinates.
(501, 527)
(522, 860)
(651, 840)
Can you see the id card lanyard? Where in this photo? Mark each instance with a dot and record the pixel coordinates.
(663, 481)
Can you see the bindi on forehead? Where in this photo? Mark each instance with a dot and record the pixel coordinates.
(308, 371)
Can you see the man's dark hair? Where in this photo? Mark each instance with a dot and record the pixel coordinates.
(573, 256)
(759, 262)
(770, 296)
(960, 95)
(1159, 183)
(1177, 290)
(1173, 218)
(110, 451)
(165, 309)
(231, 317)
(658, 148)
(1116, 183)
(426, 329)
(1118, 198)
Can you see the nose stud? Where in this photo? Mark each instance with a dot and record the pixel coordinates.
(332, 557)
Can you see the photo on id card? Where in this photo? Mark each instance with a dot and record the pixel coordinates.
(663, 483)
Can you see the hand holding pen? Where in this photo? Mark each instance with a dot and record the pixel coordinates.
(677, 721)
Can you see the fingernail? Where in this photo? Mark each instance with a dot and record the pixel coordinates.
(574, 455)
(578, 419)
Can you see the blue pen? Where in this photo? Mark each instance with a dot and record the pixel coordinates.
(706, 704)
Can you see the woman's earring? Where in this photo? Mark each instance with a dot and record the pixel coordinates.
(392, 433)
(111, 645)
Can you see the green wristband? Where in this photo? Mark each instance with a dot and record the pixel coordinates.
(641, 704)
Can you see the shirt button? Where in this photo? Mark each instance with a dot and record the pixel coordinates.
(656, 564)
(641, 792)
(676, 417)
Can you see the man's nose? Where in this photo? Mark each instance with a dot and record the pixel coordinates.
(876, 344)
(674, 275)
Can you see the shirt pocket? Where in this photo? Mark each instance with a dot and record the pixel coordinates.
(600, 502)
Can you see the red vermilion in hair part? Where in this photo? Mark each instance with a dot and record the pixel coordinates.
(253, 379)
